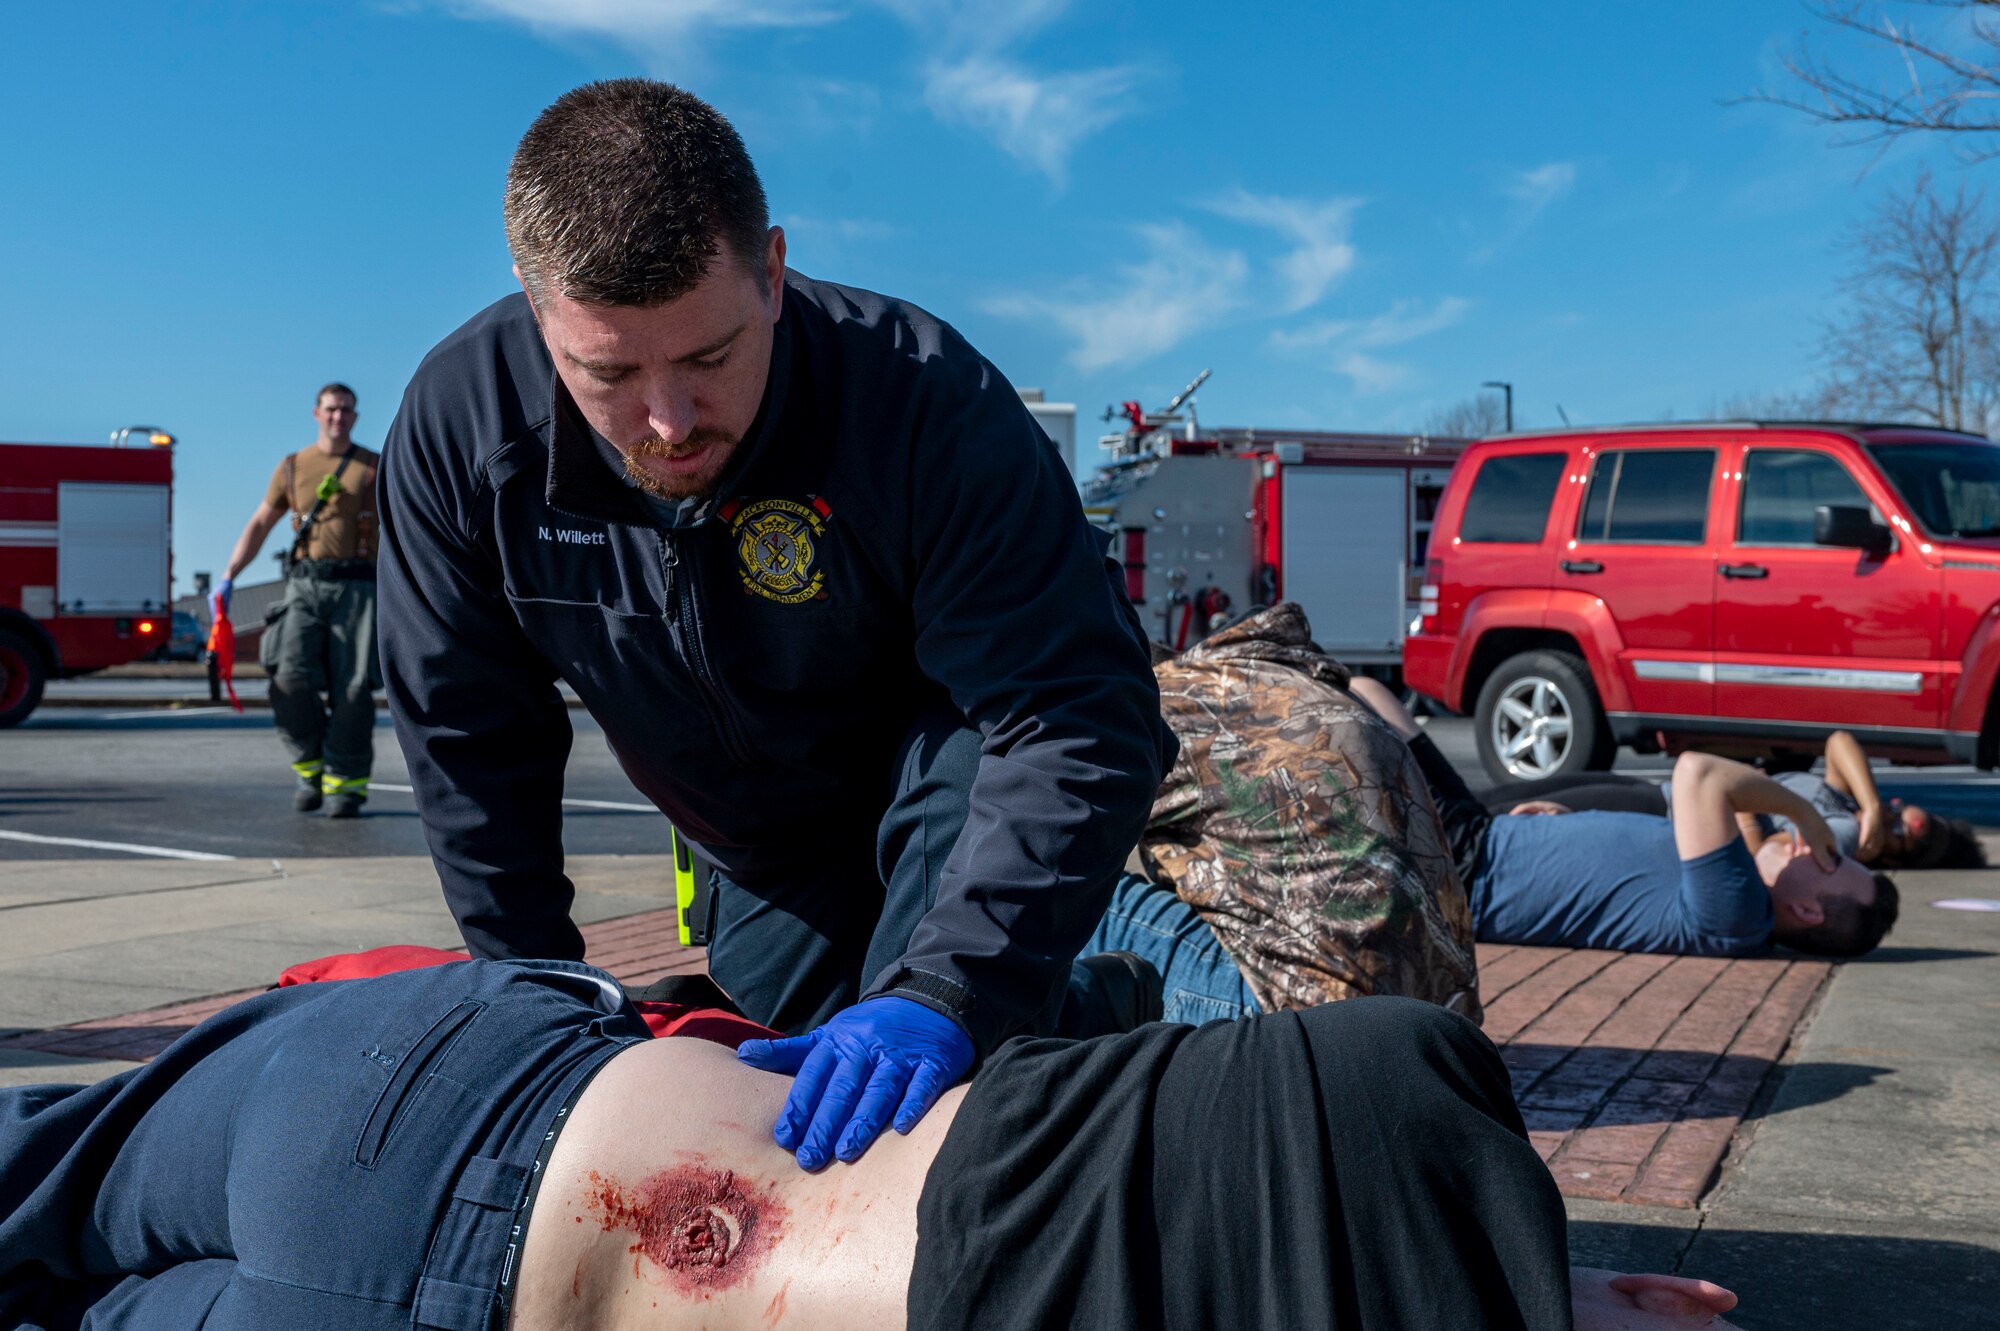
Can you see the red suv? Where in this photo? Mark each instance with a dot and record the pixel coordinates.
(1750, 587)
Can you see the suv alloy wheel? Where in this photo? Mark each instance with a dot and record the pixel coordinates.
(1538, 716)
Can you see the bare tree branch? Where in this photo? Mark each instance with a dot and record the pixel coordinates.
(1948, 88)
(1809, 405)
(1918, 338)
(1481, 414)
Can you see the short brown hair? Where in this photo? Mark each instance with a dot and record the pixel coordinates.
(622, 190)
(1850, 929)
(320, 396)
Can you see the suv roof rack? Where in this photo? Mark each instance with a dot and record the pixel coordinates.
(1861, 427)
(1852, 428)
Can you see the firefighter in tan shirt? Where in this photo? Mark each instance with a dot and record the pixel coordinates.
(320, 651)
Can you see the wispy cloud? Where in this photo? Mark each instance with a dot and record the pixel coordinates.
(649, 24)
(1370, 374)
(1404, 321)
(829, 108)
(1532, 193)
(1349, 344)
(975, 76)
(846, 229)
(1539, 188)
(1185, 284)
(1181, 285)
(968, 25)
(971, 68)
(1037, 119)
(1322, 252)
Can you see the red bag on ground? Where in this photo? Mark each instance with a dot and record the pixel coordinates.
(222, 642)
(662, 1019)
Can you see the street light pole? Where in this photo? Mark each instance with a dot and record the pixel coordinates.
(1508, 389)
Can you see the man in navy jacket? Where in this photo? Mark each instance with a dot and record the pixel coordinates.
(808, 560)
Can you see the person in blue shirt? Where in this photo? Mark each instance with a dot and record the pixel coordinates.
(1882, 833)
(1634, 882)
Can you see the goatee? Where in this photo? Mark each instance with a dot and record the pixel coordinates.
(719, 443)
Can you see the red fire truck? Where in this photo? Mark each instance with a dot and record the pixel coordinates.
(85, 539)
(1213, 523)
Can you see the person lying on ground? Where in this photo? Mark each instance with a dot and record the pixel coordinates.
(1296, 826)
(1582, 792)
(454, 1147)
(1633, 883)
(1894, 833)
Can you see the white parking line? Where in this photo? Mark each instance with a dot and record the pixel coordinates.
(581, 804)
(164, 852)
(164, 711)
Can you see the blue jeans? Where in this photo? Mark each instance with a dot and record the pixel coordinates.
(1202, 981)
(343, 1154)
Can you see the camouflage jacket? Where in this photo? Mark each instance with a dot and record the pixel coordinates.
(1298, 825)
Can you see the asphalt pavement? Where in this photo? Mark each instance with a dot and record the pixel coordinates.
(202, 782)
(150, 855)
(151, 762)
(1863, 1193)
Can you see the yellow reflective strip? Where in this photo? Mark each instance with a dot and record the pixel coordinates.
(683, 886)
(343, 785)
(308, 769)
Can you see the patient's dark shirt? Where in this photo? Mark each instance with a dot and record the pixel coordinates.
(1358, 1166)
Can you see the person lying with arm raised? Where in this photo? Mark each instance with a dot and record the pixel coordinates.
(1636, 883)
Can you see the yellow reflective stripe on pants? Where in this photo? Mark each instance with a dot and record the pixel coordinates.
(343, 785)
(683, 885)
(309, 771)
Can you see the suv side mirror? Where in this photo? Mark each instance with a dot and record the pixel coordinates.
(1851, 526)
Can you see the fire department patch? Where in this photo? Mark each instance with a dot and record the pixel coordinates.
(774, 543)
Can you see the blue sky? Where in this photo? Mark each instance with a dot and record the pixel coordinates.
(1352, 213)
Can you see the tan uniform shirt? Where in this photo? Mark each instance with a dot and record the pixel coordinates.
(345, 527)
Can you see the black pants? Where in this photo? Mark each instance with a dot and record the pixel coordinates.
(1585, 792)
(1464, 817)
(793, 950)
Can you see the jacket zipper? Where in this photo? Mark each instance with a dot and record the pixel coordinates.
(679, 610)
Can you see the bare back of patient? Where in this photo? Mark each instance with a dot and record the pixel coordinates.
(666, 1204)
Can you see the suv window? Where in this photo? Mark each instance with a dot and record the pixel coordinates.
(1510, 497)
(1955, 488)
(1648, 496)
(1782, 486)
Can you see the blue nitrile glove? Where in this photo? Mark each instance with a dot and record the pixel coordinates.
(881, 1057)
(222, 592)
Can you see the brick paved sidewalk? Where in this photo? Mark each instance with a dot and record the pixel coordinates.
(638, 949)
(1634, 1071)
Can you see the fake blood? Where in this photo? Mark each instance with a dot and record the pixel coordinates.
(706, 1229)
